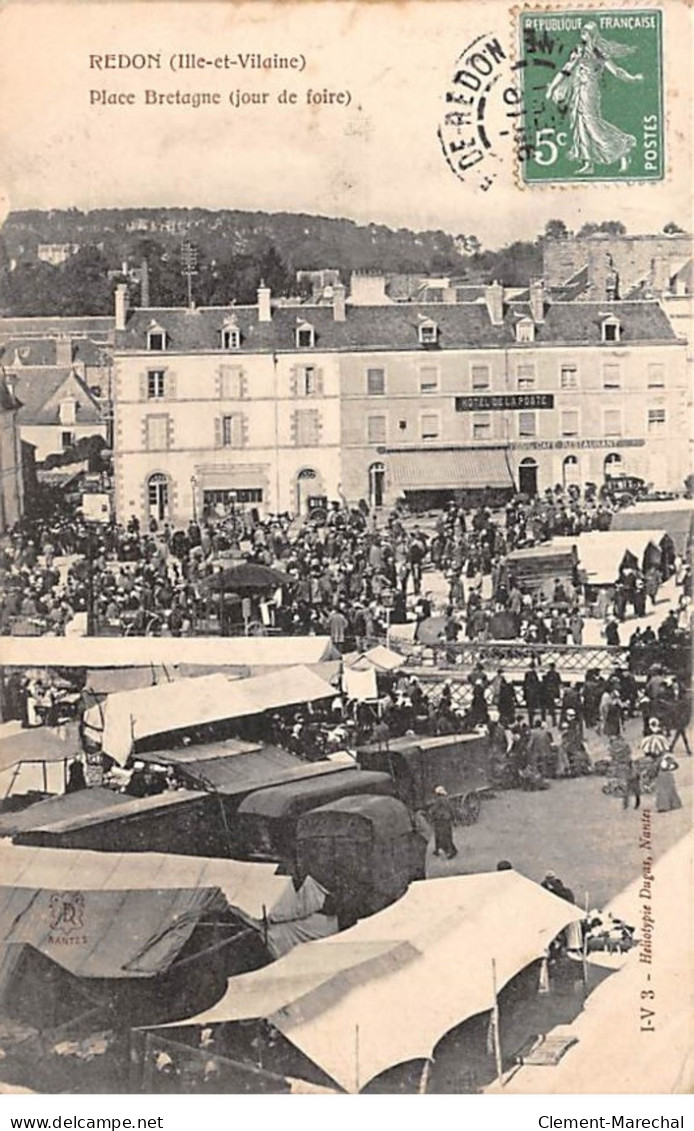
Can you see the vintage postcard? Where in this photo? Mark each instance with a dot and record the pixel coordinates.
(346, 510)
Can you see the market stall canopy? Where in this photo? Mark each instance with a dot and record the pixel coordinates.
(85, 802)
(674, 515)
(129, 716)
(39, 744)
(450, 469)
(102, 933)
(256, 892)
(380, 658)
(601, 552)
(141, 651)
(385, 991)
(236, 772)
(247, 577)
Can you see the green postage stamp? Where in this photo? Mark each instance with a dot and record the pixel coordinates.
(592, 95)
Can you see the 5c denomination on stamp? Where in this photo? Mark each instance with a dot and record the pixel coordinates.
(592, 89)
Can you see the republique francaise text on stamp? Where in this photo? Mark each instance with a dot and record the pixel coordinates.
(591, 83)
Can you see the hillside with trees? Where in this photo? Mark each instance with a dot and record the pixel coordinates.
(233, 251)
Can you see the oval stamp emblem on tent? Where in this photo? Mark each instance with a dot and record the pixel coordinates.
(591, 82)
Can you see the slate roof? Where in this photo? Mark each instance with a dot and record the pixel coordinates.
(19, 351)
(39, 390)
(99, 325)
(392, 327)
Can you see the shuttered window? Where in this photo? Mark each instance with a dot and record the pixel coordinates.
(527, 425)
(306, 428)
(158, 433)
(480, 377)
(232, 383)
(231, 430)
(612, 422)
(376, 429)
(569, 422)
(376, 382)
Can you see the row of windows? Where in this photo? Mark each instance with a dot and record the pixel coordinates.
(526, 425)
(229, 338)
(305, 334)
(307, 380)
(526, 377)
(232, 383)
(231, 430)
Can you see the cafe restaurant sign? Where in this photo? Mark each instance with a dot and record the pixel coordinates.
(488, 403)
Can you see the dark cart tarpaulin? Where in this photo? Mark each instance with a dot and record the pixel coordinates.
(85, 802)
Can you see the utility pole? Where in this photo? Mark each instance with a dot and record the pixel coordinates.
(189, 260)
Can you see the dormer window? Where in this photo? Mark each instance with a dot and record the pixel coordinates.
(156, 338)
(305, 336)
(525, 330)
(231, 338)
(611, 329)
(428, 333)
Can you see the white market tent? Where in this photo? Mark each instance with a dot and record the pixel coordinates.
(253, 890)
(142, 651)
(127, 716)
(601, 552)
(42, 750)
(386, 991)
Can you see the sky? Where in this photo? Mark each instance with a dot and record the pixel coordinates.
(377, 159)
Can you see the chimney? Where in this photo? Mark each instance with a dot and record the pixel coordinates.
(63, 350)
(10, 380)
(144, 284)
(264, 305)
(537, 300)
(339, 311)
(494, 298)
(660, 274)
(368, 290)
(121, 305)
(450, 294)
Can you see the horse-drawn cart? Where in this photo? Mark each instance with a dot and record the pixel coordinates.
(459, 763)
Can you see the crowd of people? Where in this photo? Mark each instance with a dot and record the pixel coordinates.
(350, 577)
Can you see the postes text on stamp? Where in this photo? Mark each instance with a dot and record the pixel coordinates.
(592, 88)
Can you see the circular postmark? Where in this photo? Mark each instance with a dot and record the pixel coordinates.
(482, 125)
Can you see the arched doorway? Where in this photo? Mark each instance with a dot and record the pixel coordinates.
(612, 465)
(377, 478)
(158, 497)
(571, 472)
(527, 476)
(306, 486)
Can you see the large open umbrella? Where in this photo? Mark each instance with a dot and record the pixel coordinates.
(248, 576)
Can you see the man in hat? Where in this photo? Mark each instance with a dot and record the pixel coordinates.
(441, 817)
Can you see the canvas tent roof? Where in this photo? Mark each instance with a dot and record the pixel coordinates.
(112, 934)
(674, 515)
(136, 651)
(253, 890)
(39, 744)
(426, 957)
(379, 657)
(601, 552)
(132, 715)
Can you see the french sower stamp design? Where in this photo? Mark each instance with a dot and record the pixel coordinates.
(591, 83)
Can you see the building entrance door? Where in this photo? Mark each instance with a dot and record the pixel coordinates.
(158, 497)
(377, 476)
(527, 476)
